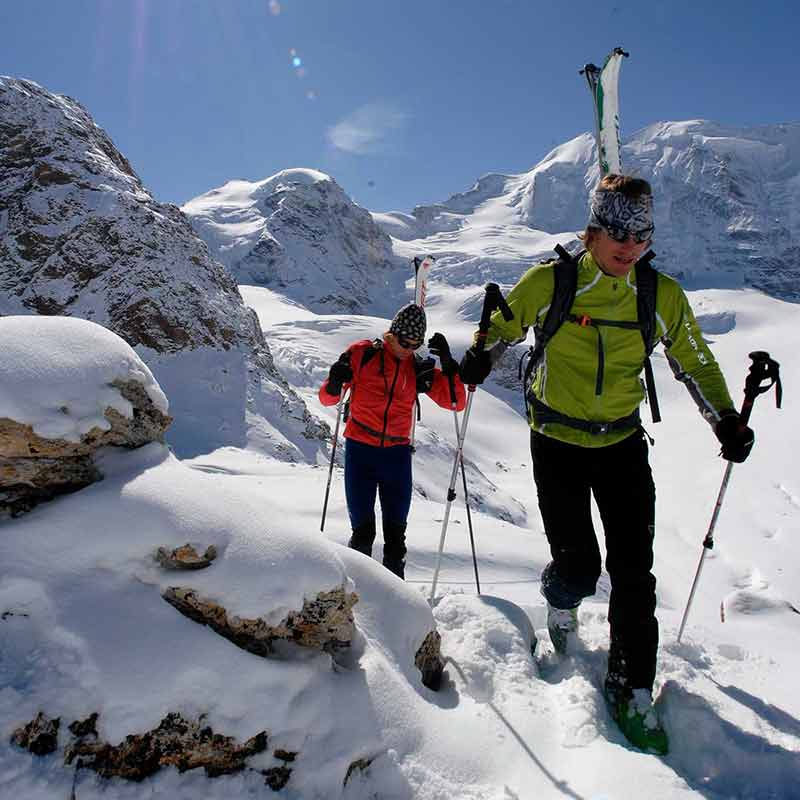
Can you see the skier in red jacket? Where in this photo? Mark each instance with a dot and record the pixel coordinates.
(385, 377)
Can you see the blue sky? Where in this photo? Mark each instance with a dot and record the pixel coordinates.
(402, 102)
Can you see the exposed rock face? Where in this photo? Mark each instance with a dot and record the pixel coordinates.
(185, 557)
(429, 661)
(325, 623)
(177, 742)
(81, 236)
(34, 468)
(297, 232)
(39, 736)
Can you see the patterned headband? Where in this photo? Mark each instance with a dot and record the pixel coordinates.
(614, 209)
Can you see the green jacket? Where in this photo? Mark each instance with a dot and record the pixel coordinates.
(566, 378)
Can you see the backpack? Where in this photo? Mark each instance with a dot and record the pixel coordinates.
(565, 276)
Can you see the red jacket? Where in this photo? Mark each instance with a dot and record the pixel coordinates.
(384, 392)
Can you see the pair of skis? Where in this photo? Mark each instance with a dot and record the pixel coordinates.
(603, 83)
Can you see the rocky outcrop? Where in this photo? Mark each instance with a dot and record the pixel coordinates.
(297, 232)
(81, 236)
(429, 661)
(34, 468)
(39, 736)
(176, 742)
(325, 623)
(185, 557)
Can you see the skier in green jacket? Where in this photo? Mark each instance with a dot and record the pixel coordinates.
(587, 438)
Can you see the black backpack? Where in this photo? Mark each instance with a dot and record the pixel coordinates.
(565, 276)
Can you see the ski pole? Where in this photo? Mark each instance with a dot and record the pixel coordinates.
(491, 301)
(464, 481)
(762, 369)
(342, 403)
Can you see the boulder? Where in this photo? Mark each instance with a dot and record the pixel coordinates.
(35, 468)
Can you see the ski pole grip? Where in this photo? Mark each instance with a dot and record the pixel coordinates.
(452, 381)
(492, 300)
(763, 375)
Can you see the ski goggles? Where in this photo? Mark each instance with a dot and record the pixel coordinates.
(620, 216)
(408, 344)
(620, 233)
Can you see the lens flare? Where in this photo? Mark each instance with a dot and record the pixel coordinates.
(297, 62)
(274, 7)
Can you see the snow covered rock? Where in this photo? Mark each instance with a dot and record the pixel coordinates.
(185, 557)
(185, 744)
(81, 236)
(140, 690)
(67, 388)
(324, 623)
(298, 233)
(39, 736)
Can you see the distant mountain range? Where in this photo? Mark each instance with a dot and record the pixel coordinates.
(727, 208)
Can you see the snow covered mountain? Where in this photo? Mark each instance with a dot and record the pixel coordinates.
(726, 209)
(81, 236)
(299, 234)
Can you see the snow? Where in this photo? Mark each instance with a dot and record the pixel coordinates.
(56, 375)
(83, 626)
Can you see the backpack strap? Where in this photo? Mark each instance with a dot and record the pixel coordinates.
(369, 352)
(646, 297)
(565, 285)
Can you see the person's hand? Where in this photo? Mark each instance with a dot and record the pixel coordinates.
(735, 437)
(475, 366)
(340, 373)
(437, 345)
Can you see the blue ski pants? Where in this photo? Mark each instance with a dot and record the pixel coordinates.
(377, 471)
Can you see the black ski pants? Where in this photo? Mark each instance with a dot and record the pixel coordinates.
(620, 479)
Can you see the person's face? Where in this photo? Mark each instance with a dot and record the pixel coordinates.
(616, 258)
(401, 346)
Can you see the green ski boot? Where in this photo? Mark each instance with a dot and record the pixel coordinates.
(638, 721)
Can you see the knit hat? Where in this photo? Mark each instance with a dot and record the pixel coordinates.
(409, 322)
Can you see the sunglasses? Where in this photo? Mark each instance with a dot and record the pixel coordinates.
(408, 344)
(619, 233)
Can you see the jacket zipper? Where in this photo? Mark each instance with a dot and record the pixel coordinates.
(389, 402)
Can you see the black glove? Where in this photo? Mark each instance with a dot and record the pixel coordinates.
(475, 366)
(424, 369)
(735, 437)
(340, 373)
(437, 345)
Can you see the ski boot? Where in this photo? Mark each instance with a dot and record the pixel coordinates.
(394, 548)
(363, 537)
(562, 625)
(636, 717)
